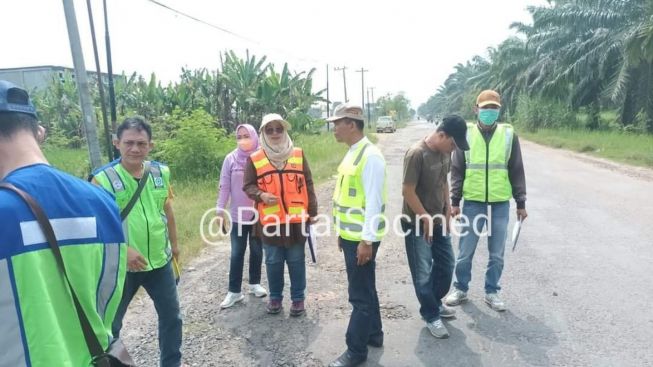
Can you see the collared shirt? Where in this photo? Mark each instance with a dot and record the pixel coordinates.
(373, 189)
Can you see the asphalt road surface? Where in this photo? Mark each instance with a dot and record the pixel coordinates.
(578, 288)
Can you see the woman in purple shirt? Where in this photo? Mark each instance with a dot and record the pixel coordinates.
(242, 213)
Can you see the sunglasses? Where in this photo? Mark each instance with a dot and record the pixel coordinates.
(273, 130)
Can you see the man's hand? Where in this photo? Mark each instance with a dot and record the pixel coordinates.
(521, 214)
(175, 252)
(455, 211)
(135, 261)
(268, 199)
(447, 221)
(363, 253)
(427, 226)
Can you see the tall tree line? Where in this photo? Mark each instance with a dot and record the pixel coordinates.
(588, 56)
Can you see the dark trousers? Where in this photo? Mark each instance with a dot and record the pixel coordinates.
(238, 247)
(431, 267)
(365, 320)
(161, 287)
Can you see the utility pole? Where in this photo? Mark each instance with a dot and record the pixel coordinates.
(373, 100)
(82, 85)
(368, 106)
(344, 80)
(363, 71)
(327, 98)
(100, 84)
(112, 92)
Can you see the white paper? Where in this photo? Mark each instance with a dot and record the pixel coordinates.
(515, 233)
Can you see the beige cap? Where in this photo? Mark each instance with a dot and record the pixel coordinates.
(274, 117)
(487, 97)
(347, 110)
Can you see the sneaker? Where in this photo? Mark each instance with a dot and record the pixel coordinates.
(274, 306)
(495, 303)
(231, 299)
(257, 290)
(447, 312)
(438, 329)
(297, 308)
(455, 298)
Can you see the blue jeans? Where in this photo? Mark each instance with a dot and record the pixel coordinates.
(496, 243)
(160, 286)
(238, 246)
(275, 257)
(431, 267)
(365, 320)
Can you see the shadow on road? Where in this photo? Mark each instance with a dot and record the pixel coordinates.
(529, 337)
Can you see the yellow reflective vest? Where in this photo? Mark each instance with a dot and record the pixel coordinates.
(349, 196)
(486, 171)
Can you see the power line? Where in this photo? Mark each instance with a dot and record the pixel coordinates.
(203, 22)
(225, 30)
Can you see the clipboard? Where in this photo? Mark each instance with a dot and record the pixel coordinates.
(515, 233)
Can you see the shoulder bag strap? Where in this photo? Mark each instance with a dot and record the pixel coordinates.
(141, 184)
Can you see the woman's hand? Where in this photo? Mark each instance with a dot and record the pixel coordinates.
(268, 199)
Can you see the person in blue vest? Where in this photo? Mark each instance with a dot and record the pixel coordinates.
(486, 177)
(150, 231)
(38, 322)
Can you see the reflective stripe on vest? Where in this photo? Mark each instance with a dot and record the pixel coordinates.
(349, 196)
(486, 170)
(288, 184)
(145, 228)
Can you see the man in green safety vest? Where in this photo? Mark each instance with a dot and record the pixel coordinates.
(39, 325)
(486, 177)
(150, 231)
(358, 205)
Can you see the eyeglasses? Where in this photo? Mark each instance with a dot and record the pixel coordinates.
(273, 130)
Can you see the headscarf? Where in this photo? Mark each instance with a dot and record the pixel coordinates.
(241, 155)
(278, 153)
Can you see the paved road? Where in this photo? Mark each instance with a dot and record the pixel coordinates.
(578, 287)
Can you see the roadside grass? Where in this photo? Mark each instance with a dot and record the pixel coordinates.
(73, 161)
(634, 149)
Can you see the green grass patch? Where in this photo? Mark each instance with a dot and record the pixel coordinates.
(323, 153)
(73, 161)
(618, 146)
(192, 201)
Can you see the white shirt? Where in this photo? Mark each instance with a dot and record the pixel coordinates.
(373, 189)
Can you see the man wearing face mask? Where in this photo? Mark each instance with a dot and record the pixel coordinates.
(486, 177)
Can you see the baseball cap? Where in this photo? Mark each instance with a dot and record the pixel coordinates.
(347, 110)
(274, 117)
(15, 99)
(456, 127)
(487, 97)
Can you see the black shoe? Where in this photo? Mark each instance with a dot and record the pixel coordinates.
(375, 341)
(347, 360)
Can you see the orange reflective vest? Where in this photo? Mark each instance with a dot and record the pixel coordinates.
(288, 185)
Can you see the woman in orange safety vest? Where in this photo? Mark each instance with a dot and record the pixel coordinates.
(278, 178)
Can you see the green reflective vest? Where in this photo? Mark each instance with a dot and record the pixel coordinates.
(486, 171)
(349, 196)
(146, 226)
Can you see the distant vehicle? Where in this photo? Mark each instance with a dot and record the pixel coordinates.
(385, 124)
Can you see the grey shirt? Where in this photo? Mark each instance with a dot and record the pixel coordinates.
(426, 169)
(515, 172)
